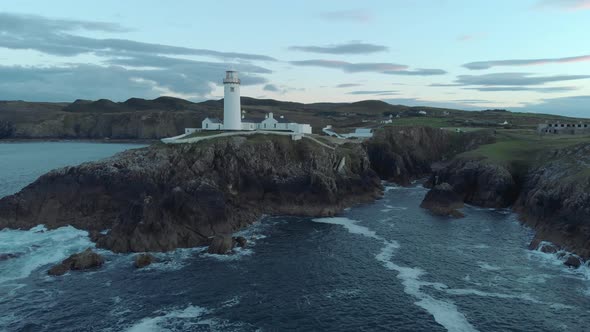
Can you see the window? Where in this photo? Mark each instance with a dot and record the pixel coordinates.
(585, 126)
(579, 126)
(206, 125)
(232, 89)
(265, 125)
(275, 125)
(562, 124)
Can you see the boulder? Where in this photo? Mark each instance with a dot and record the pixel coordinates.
(443, 201)
(549, 249)
(85, 260)
(573, 262)
(221, 245)
(10, 255)
(240, 241)
(143, 260)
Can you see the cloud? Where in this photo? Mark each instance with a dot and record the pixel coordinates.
(157, 61)
(513, 79)
(358, 15)
(375, 67)
(113, 82)
(372, 92)
(126, 68)
(353, 47)
(565, 4)
(524, 88)
(348, 85)
(271, 87)
(418, 72)
(473, 101)
(576, 106)
(466, 37)
(55, 36)
(524, 62)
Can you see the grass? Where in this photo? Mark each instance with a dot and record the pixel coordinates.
(421, 121)
(519, 149)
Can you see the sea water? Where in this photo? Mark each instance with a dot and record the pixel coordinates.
(384, 266)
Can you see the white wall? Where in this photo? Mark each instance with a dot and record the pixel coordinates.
(232, 117)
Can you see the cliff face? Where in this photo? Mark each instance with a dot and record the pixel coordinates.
(478, 183)
(553, 197)
(163, 197)
(133, 125)
(401, 154)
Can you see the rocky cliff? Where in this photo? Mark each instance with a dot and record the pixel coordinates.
(555, 199)
(552, 195)
(401, 154)
(168, 196)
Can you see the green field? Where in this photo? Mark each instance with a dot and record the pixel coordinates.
(521, 148)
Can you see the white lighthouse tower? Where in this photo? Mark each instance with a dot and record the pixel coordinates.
(232, 118)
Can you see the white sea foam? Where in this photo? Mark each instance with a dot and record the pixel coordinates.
(179, 320)
(190, 318)
(444, 312)
(398, 208)
(173, 260)
(488, 267)
(38, 247)
(236, 254)
(557, 259)
(350, 225)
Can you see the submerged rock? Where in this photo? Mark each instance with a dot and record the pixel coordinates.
(443, 201)
(143, 260)
(10, 255)
(221, 245)
(573, 262)
(240, 241)
(85, 260)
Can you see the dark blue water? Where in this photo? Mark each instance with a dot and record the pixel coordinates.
(387, 266)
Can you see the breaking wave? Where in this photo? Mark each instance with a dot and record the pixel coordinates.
(38, 247)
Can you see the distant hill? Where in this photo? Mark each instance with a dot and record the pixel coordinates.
(138, 118)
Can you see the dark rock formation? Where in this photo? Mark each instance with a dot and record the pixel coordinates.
(479, 182)
(555, 199)
(80, 261)
(6, 129)
(401, 154)
(143, 260)
(10, 255)
(573, 262)
(170, 196)
(443, 201)
(240, 241)
(221, 244)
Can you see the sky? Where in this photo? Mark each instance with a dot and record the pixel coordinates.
(525, 55)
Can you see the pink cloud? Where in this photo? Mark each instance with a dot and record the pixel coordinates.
(572, 5)
(524, 62)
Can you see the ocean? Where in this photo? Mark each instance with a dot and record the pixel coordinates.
(384, 266)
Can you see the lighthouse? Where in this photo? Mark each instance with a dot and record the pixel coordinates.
(232, 118)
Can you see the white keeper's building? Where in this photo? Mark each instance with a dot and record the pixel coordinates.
(233, 119)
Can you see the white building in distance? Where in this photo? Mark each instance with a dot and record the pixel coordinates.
(234, 120)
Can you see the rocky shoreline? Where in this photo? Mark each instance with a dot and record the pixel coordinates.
(164, 197)
(552, 197)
